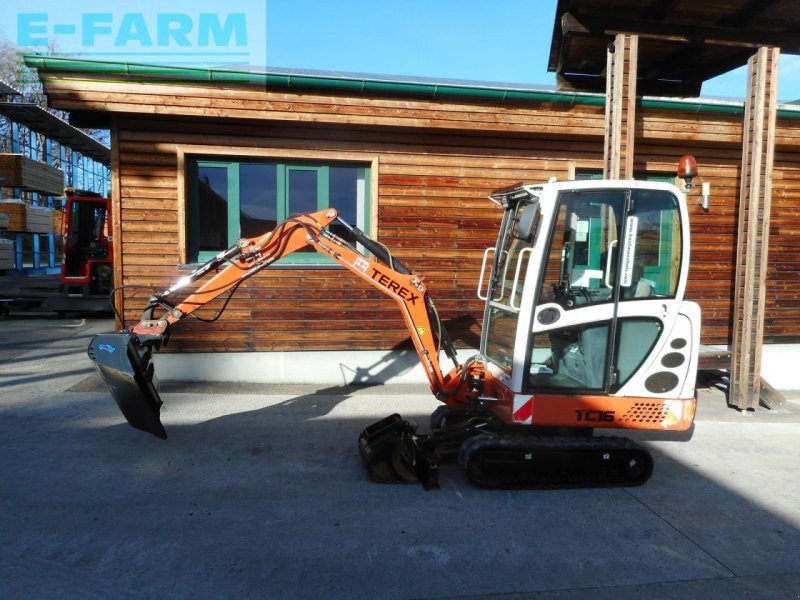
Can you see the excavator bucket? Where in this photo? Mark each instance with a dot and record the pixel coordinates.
(392, 454)
(126, 367)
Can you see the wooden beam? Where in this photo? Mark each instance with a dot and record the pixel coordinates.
(612, 25)
(116, 223)
(581, 82)
(770, 397)
(748, 12)
(755, 197)
(733, 61)
(668, 63)
(569, 25)
(664, 8)
(713, 359)
(620, 108)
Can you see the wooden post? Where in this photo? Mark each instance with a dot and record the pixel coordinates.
(755, 196)
(116, 223)
(621, 72)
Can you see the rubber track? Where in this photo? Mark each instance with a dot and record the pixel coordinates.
(499, 461)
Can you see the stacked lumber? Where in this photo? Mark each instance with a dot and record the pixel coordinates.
(26, 218)
(6, 254)
(32, 175)
(58, 222)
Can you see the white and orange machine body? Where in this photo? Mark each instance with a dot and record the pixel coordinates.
(585, 326)
(559, 321)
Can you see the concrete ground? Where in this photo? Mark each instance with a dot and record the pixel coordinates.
(260, 493)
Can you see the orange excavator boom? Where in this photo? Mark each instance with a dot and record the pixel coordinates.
(124, 359)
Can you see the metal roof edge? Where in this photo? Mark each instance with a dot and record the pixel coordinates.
(45, 122)
(366, 85)
(7, 90)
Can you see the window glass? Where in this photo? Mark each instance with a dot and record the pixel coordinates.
(655, 260)
(657, 252)
(501, 329)
(510, 267)
(344, 191)
(570, 358)
(230, 199)
(213, 208)
(346, 187)
(87, 224)
(582, 257)
(258, 198)
(635, 340)
(575, 357)
(302, 191)
(502, 313)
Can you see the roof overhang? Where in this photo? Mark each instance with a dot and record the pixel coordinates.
(51, 69)
(682, 43)
(41, 121)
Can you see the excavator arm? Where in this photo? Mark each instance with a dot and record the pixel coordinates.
(124, 359)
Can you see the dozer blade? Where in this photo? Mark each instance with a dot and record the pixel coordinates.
(126, 367)
(392, 453)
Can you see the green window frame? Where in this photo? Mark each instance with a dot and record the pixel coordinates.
(289, 191)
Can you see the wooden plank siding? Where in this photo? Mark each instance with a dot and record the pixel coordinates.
(432, 211)
(782, 316)
(434, 163)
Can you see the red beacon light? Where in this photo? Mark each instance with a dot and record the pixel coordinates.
(687, 169)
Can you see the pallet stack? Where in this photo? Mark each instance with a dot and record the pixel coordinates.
(58, 222)
(26, 218)
(6, 246)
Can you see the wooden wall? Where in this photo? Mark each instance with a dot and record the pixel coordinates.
(782, 318)
(432, 211)
(435, 162)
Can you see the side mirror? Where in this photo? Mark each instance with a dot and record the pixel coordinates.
(528, 222)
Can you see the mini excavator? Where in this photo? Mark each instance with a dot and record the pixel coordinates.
(585, 328)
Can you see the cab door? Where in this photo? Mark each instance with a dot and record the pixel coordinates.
(609, 295)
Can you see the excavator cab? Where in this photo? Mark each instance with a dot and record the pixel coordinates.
(585, 311)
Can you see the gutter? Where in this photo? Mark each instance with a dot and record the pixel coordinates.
(365, 85)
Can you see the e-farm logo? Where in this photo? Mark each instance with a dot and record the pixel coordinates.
(201, 34)
(171, 30)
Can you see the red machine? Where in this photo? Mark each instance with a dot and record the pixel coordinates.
(585, 327)
(87, 272)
